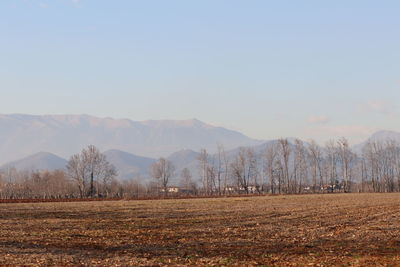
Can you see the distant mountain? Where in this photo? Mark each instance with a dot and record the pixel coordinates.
(129, 165)
(183, 158)
(39, 161)
(66, 135)
(379, 136)
(385, 135)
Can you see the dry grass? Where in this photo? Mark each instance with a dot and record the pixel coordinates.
(346, 229)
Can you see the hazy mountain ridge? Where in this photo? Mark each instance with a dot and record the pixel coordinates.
(380, 136)
(38, 161)
(66, 135)
(385, 135)
(129, 165)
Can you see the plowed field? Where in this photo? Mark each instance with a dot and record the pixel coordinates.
(326, 230)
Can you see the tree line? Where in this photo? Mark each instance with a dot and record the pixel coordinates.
(281, 167)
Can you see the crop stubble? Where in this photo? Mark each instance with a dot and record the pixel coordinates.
(337, 229)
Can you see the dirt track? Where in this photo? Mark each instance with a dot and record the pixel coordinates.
(356, 229)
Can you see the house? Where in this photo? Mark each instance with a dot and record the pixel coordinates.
(171, 189)
(251, 189)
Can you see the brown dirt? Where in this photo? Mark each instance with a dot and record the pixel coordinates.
(308, 230)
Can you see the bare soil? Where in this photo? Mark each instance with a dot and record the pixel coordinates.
(304, 230)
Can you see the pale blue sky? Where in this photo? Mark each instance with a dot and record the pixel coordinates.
(308, 69)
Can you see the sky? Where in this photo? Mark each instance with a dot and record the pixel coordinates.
(308, 69)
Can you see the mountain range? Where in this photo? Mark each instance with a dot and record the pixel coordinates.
(65, 135)
(130, 146)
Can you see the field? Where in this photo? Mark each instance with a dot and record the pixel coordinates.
(326, 230)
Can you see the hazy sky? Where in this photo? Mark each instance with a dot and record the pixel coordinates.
(308, 69)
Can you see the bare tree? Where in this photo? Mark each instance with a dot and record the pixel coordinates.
(370, 155)
(90, 167)
(220, 168)
(284, 152)
(392, 164)
(279, 174)
(332, 160)
(300, 171)
(382, 165)
(225, 167)
(364, 176)
(269, 165)
(187, 182)
(163, 170)
(204, 165)
(346, 157)
(244, 168)
(76, 170)
(315, 155)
